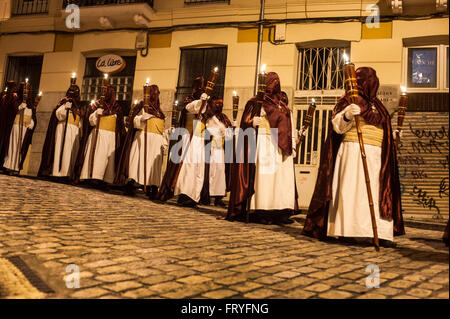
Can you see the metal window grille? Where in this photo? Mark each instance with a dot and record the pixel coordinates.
(200, 62)
(310, 149)
(321, 68)
(205, 1)
(25, 7)
(21, 67)
(122, 83)
(88, 3)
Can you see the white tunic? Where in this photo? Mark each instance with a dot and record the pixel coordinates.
(71, 144)
(217, 178)
(349, 213)
(190, 179)
(104, 162)
(12, 159)
(156, 145)
(274, 177)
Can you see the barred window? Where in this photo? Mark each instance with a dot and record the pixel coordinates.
(122, 82)
(321, 68)
(204, 1)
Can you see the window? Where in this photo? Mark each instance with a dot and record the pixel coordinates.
(23, 7)
(21, 67)
(321, 68)
(426, 68)
(88, 3)
(122, 83)
(200, 62)
(204, 1)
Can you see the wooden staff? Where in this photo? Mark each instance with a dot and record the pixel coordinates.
(208, 90)
(146, 109)
(235, 113)
(351, 90)
(73, 80)
(402, 105)
(259, 102)
(95, 136)
(21, 120)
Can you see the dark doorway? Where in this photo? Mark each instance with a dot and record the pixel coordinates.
(21, 67)
(200, 62)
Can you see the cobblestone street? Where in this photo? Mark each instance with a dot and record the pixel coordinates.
(134, 248)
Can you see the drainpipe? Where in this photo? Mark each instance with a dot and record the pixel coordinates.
(260, 41)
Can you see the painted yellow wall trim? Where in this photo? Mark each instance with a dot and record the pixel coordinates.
(383, 32)
(160, 40)
(251, 35)
(63, 42)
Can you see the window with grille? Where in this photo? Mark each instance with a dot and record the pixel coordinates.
(321, 68)
(122, 82)
(25, 7)
(204, 1)
(21, 67)
(200, 62)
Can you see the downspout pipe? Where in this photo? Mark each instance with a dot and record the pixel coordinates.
(260, 42)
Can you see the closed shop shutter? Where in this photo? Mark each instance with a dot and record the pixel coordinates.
(423, 165)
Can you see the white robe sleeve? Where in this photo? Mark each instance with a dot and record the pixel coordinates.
(137, 121)
(166, 138)
(93, 119)
(341, 126)
(195, 106)
(294, 133)
(61, 112)
(31, 125)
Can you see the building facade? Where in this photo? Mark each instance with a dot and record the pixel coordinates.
(173, 41)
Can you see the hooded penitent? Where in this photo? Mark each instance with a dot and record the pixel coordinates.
(166, 189)
(8, 109)
(275, 105)
(27, 140)
(48, 150)
(374, 113)
(154, 109)
(110, 107)
(214, 108)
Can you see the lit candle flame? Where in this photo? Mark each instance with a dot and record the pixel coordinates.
(74, 75)
(234, 93)
(6, 89)
(147, 81)
(176, 102)
(313, 101)
(40, 93)
(263, 68)
(346, 59)
(216, 69)
(26, 80)
(136, 101)
(403, 89)
(92, 102)
(106, 75)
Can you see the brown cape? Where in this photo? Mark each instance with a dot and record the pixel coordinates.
(389, 192)
(243, 170)
(48, 150)
(9, 104)
(110, 107)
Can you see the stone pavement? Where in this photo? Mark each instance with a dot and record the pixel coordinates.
(135, 248)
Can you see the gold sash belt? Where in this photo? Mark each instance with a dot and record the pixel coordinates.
(108, 123)
(155, 125)
(26, 120)
(372, 135)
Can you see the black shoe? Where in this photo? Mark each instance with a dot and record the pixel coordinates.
(186, 201)
(285, 220)
(387, 243)
(219, 202)
(129, 189)
(152, 191)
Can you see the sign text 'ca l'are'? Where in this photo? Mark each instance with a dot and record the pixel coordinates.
(110, 63)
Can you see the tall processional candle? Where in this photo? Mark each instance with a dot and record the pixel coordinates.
(351, 90)
(235, 105)
(146, 109)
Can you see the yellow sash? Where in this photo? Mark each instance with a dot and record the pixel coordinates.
(155, 125)
(217, 142)
(108, 123)
(200, 127)
(264, 125)
(372, 135)
(26, 120)
(75, 122)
